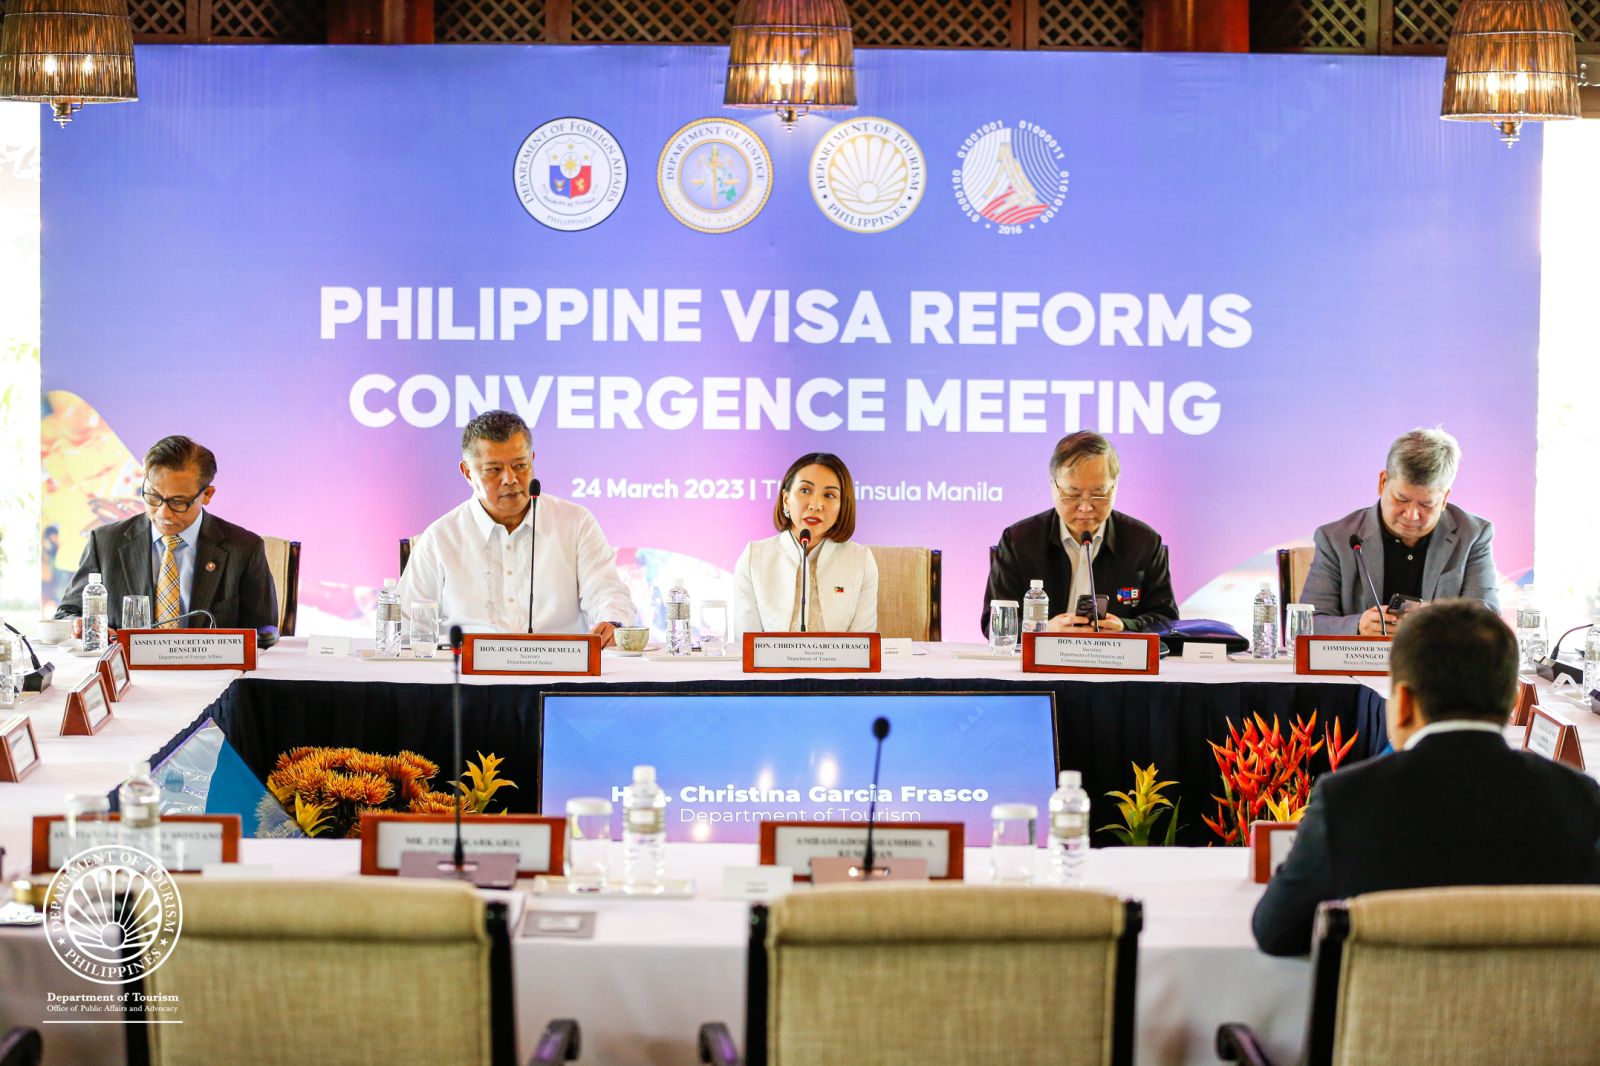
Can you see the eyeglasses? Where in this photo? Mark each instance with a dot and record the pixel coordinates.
(175, 504)
(1075, 498)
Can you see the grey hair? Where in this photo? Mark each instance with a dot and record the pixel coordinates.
(495, 426)
(1084, 444)
(1426, 458)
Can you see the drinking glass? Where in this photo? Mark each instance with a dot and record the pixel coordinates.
(588, 844)
(88, 822)
(1013, 848)
(424, 629)
(136, 612)
(1005, 622)
(1298, 624)
(714, 627)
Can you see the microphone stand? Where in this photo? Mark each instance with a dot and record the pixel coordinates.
(1550, 667)
(211, 619)
(459, 858)
(1088, 562)
(880, 729)
(805, 576)
(37, 679)
(1361, 564)
(533, 544)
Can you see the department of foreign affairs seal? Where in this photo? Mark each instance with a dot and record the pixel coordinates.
(570, 174)
(1011, 177)
(867, 175)
(112, 914)
(714, 175)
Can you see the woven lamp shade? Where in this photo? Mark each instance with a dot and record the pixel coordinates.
(67, 53)
(1511, 61)
(792, 56)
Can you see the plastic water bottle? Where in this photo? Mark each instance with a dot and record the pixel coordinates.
(1264, 625)
(644, 833)
(1068, 839)
(678, 638)
(388, 635)
(1035, 607)
(1532, 644)
(11, 670)
(1591, 660)
(139, 803)
(96, 620)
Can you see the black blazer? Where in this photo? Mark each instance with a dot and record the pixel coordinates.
(1457, 809)
(231, 579)
(1130, 569)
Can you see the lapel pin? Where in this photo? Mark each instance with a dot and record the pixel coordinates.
(210, 567)
(838, 588)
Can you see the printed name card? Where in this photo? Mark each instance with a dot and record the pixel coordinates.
(88, 708)
(795, 844)
(190, 649)
(1342, 655)
(113, 668)
(19, 752)
(1553, 736)
(533, 654)
(1091, 653)
(1204, 651)
(189, 842)
(536, 841)
(813, 653)
(1269, 846)
(328, 647)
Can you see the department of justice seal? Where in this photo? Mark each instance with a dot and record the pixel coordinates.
(1011, 177)
(570, 174)
(867, 175)
(714, 175)
(112, 914)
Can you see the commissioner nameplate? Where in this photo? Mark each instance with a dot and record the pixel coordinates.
(1342, 655)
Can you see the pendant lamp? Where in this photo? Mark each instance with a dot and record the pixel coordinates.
(792, 56)
(1510, 62)
(67, 53)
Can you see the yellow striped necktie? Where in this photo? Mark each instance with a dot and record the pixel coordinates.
(169, 595)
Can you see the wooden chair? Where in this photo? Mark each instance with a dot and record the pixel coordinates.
(910, 584)
(1457, 976)
(283, 560)
(21, 1047)
(937, 975)
(1293, 566)
(338, 973)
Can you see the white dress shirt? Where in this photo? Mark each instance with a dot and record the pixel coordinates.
(765, 582)
(184, 557)
(1080, 573)
(1453, 725)
(479, 574)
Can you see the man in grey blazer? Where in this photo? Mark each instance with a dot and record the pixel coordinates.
(177, 553)
(1415, 543)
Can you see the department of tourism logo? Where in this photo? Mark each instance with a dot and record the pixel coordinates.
(1011, 177)
(112, 914)
(714, 175)
(570, 174)
(867, 175)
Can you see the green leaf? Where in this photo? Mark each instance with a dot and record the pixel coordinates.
(1172, 824)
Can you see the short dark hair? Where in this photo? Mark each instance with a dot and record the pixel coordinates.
(1459, 659)
(1074, 448)
(495, 426)
(845, 527)
(180, 453)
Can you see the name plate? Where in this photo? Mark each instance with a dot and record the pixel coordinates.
(1553, 736)
(19, 751)
(795, 844)
(536, 841)
(573, 654)
(813, 653)
(1527, 696)
(1091, 653)
(189, 842)
(328, 647)
(114, 672)
(190, 649)
(1363, 656)
(1269, 846)
(88, 707)
(1204, 651)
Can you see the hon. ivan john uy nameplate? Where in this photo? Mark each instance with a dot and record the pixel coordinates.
(531, 653)
(1342, 655)
(813, 653)
(190, 649)
(1091, 653)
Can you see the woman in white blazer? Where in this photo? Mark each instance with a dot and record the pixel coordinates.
(818, 498)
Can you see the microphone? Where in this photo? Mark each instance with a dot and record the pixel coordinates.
(533, 542)
(1087, 540)
(211, 619)
(37, 679)
(459, 857)
(1550, 666)
(880, 729)
(805, 575)
(1361, 564)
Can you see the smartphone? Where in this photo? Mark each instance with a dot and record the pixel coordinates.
(1100, 604)
(1400, 603)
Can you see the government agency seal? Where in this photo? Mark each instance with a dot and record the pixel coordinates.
(867, 175)
(1011, 177)
(570, 174)
(714, 175)
(112, 914)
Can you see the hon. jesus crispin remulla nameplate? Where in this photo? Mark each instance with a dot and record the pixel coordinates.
(813, 653)
(1091, 653)
(189, 649)
(572, 654)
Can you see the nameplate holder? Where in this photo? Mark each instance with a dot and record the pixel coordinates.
(537, 842)
(531, 654)
(189, 842)
(190, 649)
(813, 653)
(19, 751)
(1269, 846)
(113, 669)
(796, 844)
(88, 707)
(1553, 736)
(1359, 656)
(1527, 696)
(1091, 653)
(328, 647)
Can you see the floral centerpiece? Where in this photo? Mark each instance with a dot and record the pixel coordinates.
(1266, 772)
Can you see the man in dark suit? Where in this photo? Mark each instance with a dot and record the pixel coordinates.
(180, 555)
(1129, 562)
(1455, 805)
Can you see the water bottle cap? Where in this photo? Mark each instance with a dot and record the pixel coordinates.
(1266, 586)
(138, 769)
(94, 579)
(388, 582)
(1070, 779)
(1013, 812)
(1036, 583)
(586, 805)
(644, 775)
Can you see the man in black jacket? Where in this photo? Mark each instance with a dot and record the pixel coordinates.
(1129, 561)
(1455, 805)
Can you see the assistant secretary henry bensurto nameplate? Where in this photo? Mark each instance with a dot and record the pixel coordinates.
(190, 649)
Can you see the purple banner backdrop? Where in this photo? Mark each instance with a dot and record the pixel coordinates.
(1251, 271)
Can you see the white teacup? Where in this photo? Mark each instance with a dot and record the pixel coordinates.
(633, 639)
(54, 630)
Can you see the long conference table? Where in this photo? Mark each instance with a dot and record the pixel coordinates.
(655, 969)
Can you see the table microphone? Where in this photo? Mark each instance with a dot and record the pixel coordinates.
(805, 575)
(533, 542)
(880, 729)
(1550, 666)
(37, 679)
(211, 619)
(1361, 564)
(1087, 540)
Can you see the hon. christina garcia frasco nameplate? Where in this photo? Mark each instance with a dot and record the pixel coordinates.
(536, 841)
(531, 653)
(795, 844)
(1342, 655)
(189, 649)
(1091, 653)
(813, 653)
